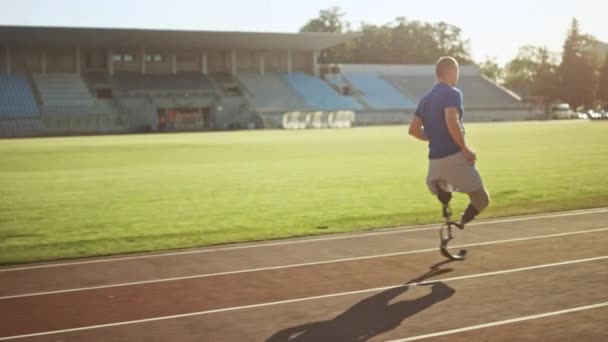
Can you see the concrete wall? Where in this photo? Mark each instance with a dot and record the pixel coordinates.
(132, 66)
(159, 67)
(302, 61)
(93, 60)
(60, 60)
(382, 118)
(26, 60)
(248, 60)
(189, 61)
(218, 61)
(3, 60)
(276, 61)
(97, 60)
(480, 115)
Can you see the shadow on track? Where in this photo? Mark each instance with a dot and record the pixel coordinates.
(373, 315)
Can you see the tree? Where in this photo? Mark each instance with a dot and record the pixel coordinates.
(399, 42)
(491, 69)
(602, 89)
(578, 70)
(451, 43)
(534, 73)
(415, 42)
(372, 46)
(412, 42)
(329, 20)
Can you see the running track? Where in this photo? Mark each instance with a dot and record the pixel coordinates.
(530, 278)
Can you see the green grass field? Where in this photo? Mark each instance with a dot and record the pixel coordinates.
(84, 196)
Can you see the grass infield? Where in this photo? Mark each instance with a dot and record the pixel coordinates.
(85, 196)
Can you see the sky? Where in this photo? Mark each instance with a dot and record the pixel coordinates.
(495, 29)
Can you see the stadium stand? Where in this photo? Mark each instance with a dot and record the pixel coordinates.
(178, 85)
(16, 97)
(270, 93)
(378, 93)
(319, 95)
(142, 112)
(226, 83)
(478, 92)
(113, 80)
(20, 127)
(337, 81)
(19, 113)
(413, 86)
(68, 107)
(484, 100)
(486, 94)
(63, 89)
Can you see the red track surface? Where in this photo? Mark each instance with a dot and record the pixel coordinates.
(335, 288)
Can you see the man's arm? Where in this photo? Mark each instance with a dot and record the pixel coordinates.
(416, 129)
(452, 119)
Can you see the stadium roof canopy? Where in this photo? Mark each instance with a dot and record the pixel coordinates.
(30, 36)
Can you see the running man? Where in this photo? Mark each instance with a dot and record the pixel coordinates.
(439, 120)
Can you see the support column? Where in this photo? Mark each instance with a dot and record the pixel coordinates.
(262, 66)
(78, 68)
(143, 60)
(8, 60)
(233, 61)
(174, 64)
(315, 62)
(289, 61)
(204, 63)
(110, 63)
(43, 62)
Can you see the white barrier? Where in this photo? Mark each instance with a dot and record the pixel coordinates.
(303, 120)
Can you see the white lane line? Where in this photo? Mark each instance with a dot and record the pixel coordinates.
(304, 299)
(386, 231)
(375, 256)
(506, 321)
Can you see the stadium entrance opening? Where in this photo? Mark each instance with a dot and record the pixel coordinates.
(183, 119)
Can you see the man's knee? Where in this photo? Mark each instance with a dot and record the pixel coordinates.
(442, 191)
(480, 199)
(444, 197)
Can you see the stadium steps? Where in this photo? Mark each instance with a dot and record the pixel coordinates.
(271, 93)
(379, 94)
(415, 86)
(63, 89)
(318, 94)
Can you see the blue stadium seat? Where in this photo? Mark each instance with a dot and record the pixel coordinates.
(378, 93)
(271, 93)
(478, 92)
(414, 86)
(16, 97)
(318, 94)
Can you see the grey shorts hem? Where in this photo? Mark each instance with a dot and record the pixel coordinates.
(453, 173)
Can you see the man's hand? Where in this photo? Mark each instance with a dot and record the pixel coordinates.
(470, 155)
(416, 129)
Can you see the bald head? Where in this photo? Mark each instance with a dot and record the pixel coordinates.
(447, 70)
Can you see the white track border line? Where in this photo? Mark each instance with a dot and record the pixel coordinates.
(385, 231)
(304, 299)
(503, 322)
(261, 269)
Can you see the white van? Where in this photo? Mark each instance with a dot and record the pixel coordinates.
(562, 111)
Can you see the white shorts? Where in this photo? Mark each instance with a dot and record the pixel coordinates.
(453, 173)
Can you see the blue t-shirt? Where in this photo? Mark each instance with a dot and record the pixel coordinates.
(431, 109)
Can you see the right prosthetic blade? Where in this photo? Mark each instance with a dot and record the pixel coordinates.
(445, 235)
